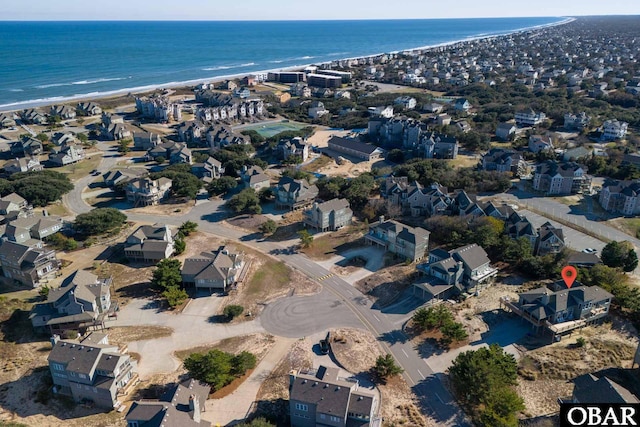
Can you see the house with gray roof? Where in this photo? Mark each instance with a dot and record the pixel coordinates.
(295, 193)
(66, 155)
(588, 388)
(63, 138)
(180, 406)
(81, 301)
(149, 243)
(218, 270)
(98, 373)
(293, 147)
(7, 120)
(144, 141)
(620, 197)
(65, 112)
(506, 131)
(26, 146)
(553, 178)
(550, 240)
(354, 148)
(254, 177)
(147, 191)
(118, 177)
(35, 227)
(27, 265)
(328, 216)
(561, 309)
(89, 108)
(446, 273)
(24, 164)
(322, 398)
(209, 170)
(400, 239)
(503, 160)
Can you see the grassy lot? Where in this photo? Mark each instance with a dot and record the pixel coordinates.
(317, 164)
(57, 209)
(464, 161)
(326, 246)
(81, 169)
(271, 275)
(631, 226)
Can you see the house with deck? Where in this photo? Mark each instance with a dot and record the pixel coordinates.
(147, 191)
(447, 273)
(149, 243)
(295, 194)
(254, 177)
(81, 302)
(27, 265)
(322, 398)
(215, 271)
(328, 216)
(91, 371)
(402, 240)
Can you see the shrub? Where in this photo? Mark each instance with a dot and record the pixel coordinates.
(232, 311)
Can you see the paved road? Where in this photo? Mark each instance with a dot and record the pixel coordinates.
(574, 239)
(73, 200)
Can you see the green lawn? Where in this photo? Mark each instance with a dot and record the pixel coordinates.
(328, 245)
(82, 168)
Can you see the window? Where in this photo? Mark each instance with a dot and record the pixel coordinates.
(57, 367)
(302, 407)
(335, 419)
(83, 376)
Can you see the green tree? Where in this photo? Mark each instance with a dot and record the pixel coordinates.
(268, 227)
(44, 292)
(501, 408)
(257, 422)
(386, 367)
(433, 317)
(82, 137)
(175, 296)
(475, 375)
(453, 332)
(232, 311)
(179, 246)
(246, 201)
(187, 228)
(306, 239)
(222, 185)
(99, 221)
(123, 146)
(242, 362)
(42, 137)
(620, 255)
(213, 368)
(160, 160)
(167, 274)
(39, 188)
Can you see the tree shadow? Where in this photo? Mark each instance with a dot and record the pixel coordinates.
(218, 318)
(137, 290)
(430, 347)
(275, 411)
(394, 337)
(18, 329)
(435, 400)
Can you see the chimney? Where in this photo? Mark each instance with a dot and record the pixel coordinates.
(45, 212)
(54, 339)
(381, 219)
(194, 405)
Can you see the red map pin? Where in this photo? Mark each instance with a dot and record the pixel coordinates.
(569, 274)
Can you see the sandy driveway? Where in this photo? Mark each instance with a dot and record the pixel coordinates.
(191, 328)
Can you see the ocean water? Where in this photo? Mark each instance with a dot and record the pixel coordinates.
(44, 62)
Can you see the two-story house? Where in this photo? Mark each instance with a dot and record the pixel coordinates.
(146, 191)
(149, 243)
(589, 389)
(26, 146)
(295, 193)
(408, 242)
(529, 117)
(216, 271)
(538, 143)
(620, 197)
(27, 265)
(81, 301)
(550, 240)
(31, 229)
(144, 141)
(66, 155)
(449, 273)
(506, 131)
(24, 164)
(91, 372)
(294, 147)
(556, 305)
(504, 160)
(328, 216)
(254, 177)
(561, 178)
(181, 406)
(323, 398)
(209, 170)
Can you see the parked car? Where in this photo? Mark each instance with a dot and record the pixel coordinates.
(590, 251)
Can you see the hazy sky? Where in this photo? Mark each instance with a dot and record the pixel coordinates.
(304, 9)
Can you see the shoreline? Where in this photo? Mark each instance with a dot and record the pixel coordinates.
(95, 96)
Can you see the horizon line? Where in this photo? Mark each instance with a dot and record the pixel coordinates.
(296, 20)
